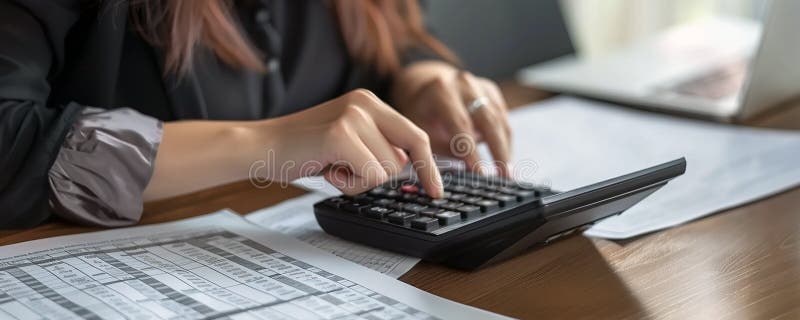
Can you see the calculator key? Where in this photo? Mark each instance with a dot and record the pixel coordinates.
(496, 187)
(377, 212)
(451, 205)
(361, 197)
(396, 205)
(378, 191)
(413, 207)
(409, 188)
(524, 194)
(469, 211)
(474, 191)
(392, 194)
(384, 202)
(430, 212)
(508, 190)
(505, 199)
(525, 185)
(474, 184)
(521, 194)
(488, 194)
(494, 182)
(471, 200)
(487, 205)
(409, 196)
(424, 223)
(457, 196)
(400, 217)
(456, 188)
(355, 207)
(336, 202)
(448, 217)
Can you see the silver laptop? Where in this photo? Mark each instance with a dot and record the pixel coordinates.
(722, 68)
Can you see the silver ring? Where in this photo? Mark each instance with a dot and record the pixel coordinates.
(476, 104)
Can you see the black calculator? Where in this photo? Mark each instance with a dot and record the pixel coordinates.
(481, 219)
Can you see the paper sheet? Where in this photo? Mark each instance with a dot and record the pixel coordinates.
(217, 266)
(569, 142)
(295, 217)
(316, 184)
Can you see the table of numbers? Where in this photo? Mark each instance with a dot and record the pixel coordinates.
(205, 275)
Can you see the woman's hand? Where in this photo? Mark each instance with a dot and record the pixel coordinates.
(457, 110)
(356, 141)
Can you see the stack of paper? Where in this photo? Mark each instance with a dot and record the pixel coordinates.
(217, 266)
(569, 142)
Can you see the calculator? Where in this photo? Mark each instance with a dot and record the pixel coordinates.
(480, 220)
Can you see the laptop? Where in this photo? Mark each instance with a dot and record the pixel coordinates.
(726, 69)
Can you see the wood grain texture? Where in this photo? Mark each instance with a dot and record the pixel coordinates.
(740, 264)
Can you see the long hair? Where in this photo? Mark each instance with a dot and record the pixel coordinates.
(376, 32)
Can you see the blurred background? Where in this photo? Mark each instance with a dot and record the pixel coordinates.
(496, 38)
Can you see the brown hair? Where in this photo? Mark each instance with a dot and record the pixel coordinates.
(376, 32)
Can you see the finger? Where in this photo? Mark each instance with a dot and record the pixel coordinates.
(457, 122)
(356, 169)
(488, 121)
(498, 100)
(376, 142)
(401, 132)
(343, 179)
(401, 155)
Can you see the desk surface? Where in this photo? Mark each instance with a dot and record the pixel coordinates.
(740, 264)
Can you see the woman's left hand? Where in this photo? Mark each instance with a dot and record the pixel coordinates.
(457, 110)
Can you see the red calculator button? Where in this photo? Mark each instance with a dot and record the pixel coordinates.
(409, 188)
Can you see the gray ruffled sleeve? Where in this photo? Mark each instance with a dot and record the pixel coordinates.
(103, 167)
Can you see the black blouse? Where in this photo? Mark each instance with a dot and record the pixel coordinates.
(57, 56)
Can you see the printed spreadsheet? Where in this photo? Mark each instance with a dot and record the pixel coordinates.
(202, 271)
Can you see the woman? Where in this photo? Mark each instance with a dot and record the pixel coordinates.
(105, 104)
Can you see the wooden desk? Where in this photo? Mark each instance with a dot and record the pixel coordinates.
(740, 264)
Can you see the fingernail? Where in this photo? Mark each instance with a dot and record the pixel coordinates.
(482, 169)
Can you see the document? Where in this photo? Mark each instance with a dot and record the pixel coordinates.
(567, 142)
(217, 266)
(295, 217)
(316, 184)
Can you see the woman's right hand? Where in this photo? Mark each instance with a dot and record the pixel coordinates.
(355, 141)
